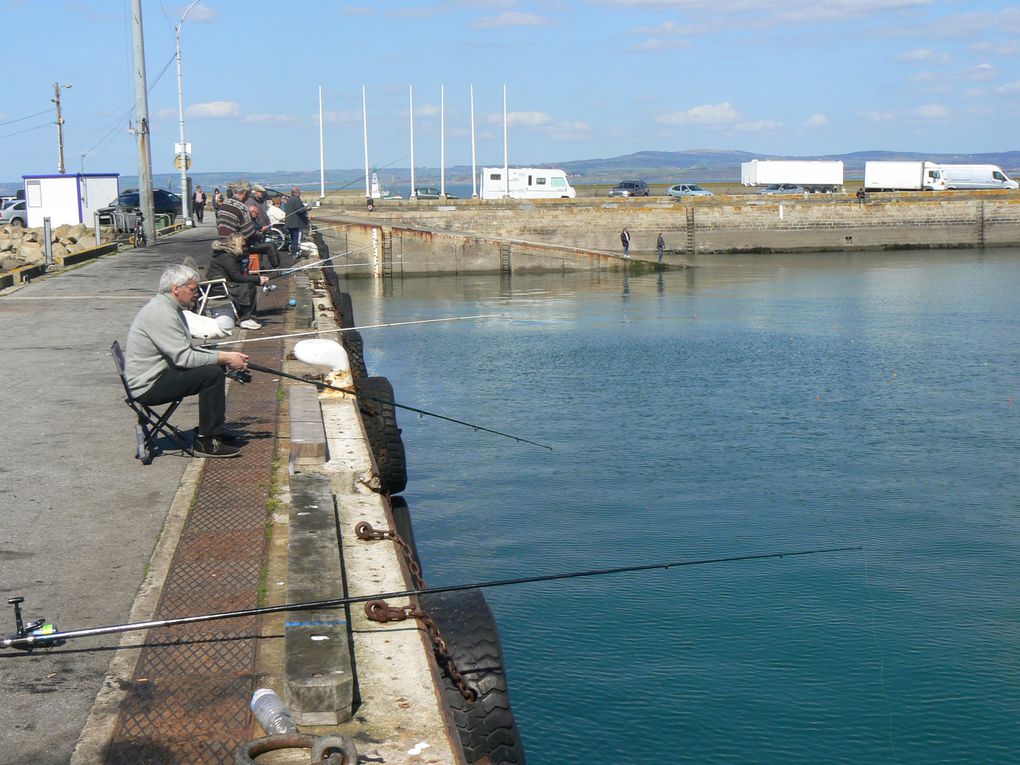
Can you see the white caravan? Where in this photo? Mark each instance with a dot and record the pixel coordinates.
(976, 177)
(525, 183)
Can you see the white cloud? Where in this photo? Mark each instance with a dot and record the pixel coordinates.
(657, 43)
(270, 119)
(932, 111)
(925, 55)
(981, 72)
(570, 131)
(343, 117)
(666, 28)
(167, 114)
(426, 111)
(1003, 48)
(1010, 87)
(356, 10)
(511, 19)
(214, 110)
(759, 126)
(922, 77)
(520, 119)
(817, 120)
(774, 12)
(878, 116)
(706, 114)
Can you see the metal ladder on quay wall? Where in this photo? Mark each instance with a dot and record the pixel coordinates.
(387, 253)
(691, 242)
(504, 257)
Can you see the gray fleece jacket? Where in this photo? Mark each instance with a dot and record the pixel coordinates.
(159, 339)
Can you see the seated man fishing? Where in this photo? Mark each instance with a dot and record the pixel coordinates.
(226, 264)
(162, 364)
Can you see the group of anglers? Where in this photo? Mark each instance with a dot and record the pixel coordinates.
(162, 365)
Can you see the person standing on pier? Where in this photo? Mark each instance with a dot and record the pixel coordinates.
(199, 200)
(296, 221)
(660, 245)
(625, 241)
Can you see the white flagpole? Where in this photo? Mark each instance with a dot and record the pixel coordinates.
(364, 114)
(322, 155)
(474, 168)
(442, 141)
(411, 94)
(506, 148)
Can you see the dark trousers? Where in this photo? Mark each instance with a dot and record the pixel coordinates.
(295, 242)
(272, 255)
(200, 211)
(208, 382)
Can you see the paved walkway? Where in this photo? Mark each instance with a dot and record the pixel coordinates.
(79, 515)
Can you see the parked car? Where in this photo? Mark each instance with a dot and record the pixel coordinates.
(782, 188)
(163, 202)
(13, 213)
(629, 189)
(429, 192)
(688, 190)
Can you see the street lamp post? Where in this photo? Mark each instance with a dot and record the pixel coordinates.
(182, 154)
(60, 126)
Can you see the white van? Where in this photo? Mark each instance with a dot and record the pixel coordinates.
(976, 177)
(525, 183)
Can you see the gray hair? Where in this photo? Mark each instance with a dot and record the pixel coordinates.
(176, 276)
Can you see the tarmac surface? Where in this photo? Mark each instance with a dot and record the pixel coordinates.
(79, 515)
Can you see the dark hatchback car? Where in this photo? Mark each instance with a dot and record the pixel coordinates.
(164, 202)
(629, 189)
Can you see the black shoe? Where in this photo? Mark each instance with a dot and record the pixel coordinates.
(213, 446)
(229, 437)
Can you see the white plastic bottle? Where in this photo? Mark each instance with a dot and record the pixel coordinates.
(271, 712)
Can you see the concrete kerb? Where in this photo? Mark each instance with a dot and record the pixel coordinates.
(102, 719)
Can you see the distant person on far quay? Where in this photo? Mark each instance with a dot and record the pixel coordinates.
(660, 245)
(625, 241)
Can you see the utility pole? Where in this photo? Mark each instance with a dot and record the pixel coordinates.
(142, 128)
(60, 127)
(183, 158)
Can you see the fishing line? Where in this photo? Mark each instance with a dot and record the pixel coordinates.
(881, 661)
(320, 385)
(352, 329)
(30, 641)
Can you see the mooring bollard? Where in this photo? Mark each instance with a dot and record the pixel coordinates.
(48, 244)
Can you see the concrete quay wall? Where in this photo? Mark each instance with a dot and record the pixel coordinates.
(467, 235)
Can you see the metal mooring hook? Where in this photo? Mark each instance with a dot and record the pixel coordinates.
(325, 750)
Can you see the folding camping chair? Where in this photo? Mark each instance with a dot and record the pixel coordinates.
(151, 424)
(211, 294)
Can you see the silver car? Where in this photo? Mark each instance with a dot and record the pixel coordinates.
(782, 188)
(13, 213)
(629, 189)
(688, 190)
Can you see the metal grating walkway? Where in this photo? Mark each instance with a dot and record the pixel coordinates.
(188, 700)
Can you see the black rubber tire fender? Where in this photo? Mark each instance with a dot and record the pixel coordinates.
(486, 725)
(345, 309)
(355, 348)
(383, 433)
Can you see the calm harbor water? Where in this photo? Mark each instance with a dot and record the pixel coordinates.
(750, 405)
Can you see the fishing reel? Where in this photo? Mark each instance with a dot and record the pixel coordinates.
(241, 375)
(32, 635)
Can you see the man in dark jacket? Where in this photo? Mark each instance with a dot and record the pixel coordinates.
(226, 264)
(297, 220)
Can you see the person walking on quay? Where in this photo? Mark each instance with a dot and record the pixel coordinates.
(625, 241)
(199, 200)
(660, 245)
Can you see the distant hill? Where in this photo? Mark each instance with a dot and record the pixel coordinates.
(653, 166)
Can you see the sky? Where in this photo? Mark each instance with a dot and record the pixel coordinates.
(585, 79)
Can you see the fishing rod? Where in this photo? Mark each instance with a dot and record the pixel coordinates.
(41, 635)
(320, 385)
(352, 329)
(306, 266)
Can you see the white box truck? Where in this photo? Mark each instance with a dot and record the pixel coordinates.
(976, 177)
(812, 175)
(902, 176)
(525, 183)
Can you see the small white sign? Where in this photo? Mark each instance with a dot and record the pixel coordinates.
(187, 147)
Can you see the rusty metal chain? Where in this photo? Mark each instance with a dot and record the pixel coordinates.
(381, 611)
(365, 532)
